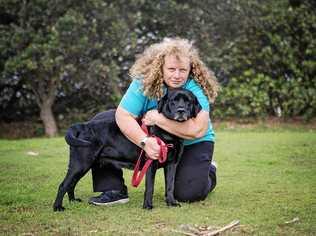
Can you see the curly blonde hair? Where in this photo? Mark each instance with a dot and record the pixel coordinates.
(149, 66)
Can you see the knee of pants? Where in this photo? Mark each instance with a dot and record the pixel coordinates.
(192, 192)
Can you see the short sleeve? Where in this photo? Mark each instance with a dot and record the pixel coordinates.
(196, 89)
(133, 100)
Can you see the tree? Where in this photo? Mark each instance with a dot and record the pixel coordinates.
(49, 43)
(273, 70)
(76, 54)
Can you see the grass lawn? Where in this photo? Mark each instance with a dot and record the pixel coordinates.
(265, 178)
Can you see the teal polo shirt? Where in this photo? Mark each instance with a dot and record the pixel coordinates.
(136, 103)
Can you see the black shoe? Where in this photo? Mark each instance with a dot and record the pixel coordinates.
(109, 198)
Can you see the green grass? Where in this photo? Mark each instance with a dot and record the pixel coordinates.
(265, 178)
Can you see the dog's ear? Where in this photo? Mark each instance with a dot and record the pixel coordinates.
(162, 101)
(196, 108)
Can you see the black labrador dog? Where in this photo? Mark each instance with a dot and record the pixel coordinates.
(100, 141)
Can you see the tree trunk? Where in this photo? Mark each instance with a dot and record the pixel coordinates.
(48, 119)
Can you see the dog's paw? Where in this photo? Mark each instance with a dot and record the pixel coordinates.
(59, 208)
(148, 207)
(173, 204)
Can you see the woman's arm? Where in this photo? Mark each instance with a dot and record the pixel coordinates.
(190, 129)
(131, 129)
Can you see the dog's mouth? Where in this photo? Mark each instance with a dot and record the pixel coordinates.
(181, 117)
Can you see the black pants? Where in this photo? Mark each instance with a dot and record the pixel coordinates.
(195, 176)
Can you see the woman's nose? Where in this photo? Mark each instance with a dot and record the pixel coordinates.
(177, 74)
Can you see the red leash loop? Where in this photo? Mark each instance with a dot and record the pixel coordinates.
(138, 174)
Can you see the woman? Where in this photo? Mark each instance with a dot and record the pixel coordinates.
(172, 63)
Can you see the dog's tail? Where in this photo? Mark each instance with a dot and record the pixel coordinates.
(72, 134)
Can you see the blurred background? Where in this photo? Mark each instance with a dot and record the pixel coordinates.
(62, 61)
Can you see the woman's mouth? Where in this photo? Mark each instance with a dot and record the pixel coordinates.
(177, 82)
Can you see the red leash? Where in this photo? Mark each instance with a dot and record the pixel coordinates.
(138, 174)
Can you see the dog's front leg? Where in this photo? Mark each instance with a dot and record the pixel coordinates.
(170, 172)
(149, 185)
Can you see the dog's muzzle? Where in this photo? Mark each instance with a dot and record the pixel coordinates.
(181, 115)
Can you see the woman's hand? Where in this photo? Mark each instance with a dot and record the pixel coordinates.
(151, 117)
(152, 148)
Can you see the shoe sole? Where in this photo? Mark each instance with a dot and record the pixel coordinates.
(121, 201)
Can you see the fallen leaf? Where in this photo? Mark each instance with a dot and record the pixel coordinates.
(296, 219)
(31, 153)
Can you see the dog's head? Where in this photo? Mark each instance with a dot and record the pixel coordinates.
(179, 105)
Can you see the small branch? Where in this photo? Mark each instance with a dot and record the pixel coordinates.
(221, 230)
(203, 232)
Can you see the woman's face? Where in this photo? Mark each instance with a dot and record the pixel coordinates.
(176, 70)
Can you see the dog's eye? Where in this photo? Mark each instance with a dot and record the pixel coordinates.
(172, 103)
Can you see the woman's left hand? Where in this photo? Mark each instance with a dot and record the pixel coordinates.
(151, 117)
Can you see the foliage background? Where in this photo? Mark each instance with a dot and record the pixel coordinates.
(63, 61)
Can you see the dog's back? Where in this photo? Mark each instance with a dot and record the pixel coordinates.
(80, 134)
(102, 134)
